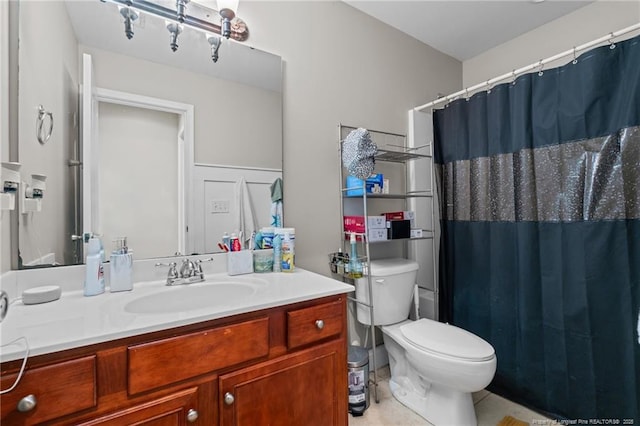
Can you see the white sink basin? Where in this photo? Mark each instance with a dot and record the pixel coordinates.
(192, 297)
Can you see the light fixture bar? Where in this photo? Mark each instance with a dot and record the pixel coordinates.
(170, 14)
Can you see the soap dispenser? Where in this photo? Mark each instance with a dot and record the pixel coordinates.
(121, 266)
(94, 269)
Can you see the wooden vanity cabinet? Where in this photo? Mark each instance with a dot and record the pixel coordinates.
(280, 366)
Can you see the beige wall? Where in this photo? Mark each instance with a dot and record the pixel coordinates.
(585, 24)
(55, 87)
(235, 124)
(340, 66)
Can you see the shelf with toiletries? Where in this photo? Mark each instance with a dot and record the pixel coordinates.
(391, 196)
(379, 211)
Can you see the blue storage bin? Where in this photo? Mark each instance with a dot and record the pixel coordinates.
(356, 184)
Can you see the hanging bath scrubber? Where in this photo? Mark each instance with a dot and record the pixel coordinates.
(358, 153)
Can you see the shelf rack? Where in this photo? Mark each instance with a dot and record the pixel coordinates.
(394, 154)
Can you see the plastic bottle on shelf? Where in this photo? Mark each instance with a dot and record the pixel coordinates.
(355, 266)
(287, 254)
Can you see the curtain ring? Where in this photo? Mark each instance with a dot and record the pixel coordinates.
(43, 133)
(513, 76)
(489, 86)
(612, 45)
(575, 59)
(541, 65)
(466, 94)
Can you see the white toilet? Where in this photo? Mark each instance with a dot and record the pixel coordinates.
(434, 366)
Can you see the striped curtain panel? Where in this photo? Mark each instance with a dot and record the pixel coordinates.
(540, 186)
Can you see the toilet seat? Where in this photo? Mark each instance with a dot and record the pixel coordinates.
(446, 340)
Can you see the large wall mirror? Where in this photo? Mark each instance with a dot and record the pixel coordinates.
(236, 124)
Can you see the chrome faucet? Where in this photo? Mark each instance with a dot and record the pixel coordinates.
(190, 272)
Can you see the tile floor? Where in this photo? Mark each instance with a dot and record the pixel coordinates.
(490, 409)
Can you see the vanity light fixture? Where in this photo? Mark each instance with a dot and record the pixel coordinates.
(215, 43)
(188, 14)
(181, 6)
(130, 16)
(227, 10)
(174, 30)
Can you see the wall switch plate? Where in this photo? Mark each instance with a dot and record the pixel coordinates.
(219, 206)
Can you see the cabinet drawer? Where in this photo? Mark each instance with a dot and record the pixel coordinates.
(168, 410)
(315, 323)
(59, 389)
(171, 360)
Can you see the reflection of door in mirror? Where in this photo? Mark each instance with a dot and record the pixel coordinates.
(138, 198)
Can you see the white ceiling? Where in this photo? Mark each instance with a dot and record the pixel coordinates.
(464, 29)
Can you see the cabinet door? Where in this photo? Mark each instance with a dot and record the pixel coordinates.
(307, 388)
(177, 409)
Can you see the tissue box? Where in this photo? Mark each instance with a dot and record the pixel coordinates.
(356, 223)
(377, 235)
(405, 215)
(239, 262)
(356, 184)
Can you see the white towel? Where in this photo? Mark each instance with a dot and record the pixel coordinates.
(245, 219)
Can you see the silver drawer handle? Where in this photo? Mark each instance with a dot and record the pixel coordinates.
(192, 415)
(228, 398)
(27, 403)
(319, 324)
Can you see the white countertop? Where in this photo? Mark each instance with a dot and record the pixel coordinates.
(75, 320)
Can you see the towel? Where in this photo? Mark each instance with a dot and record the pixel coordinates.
(276, 203)
(245, 219)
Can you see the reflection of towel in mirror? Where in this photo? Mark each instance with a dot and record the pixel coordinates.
(276, 203)
(245, 222)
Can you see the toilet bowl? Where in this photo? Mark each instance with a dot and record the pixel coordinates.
(434, 366)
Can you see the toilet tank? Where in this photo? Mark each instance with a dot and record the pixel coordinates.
(392, 282)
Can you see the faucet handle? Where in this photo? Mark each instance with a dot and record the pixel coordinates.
(173, 272)
(198, 265)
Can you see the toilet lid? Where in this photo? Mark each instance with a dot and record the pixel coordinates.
(448, 340)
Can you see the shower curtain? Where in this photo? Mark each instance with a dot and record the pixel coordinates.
(540, 242)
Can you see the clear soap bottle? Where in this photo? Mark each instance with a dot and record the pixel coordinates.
(94, 269)
(121, 266)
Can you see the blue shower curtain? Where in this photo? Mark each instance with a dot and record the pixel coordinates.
(540, 190)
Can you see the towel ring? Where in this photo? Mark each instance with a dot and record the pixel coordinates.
(43, 133)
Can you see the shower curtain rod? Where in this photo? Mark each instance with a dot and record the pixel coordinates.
(536, 65)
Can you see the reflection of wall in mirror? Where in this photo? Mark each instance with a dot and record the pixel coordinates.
(138, 198)
(55, 87)
(235, 124)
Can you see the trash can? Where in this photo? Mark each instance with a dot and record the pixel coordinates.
(358, 375)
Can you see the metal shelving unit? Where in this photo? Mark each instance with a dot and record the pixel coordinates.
(392, 153)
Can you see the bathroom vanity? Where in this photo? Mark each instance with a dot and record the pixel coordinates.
(276, 356)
